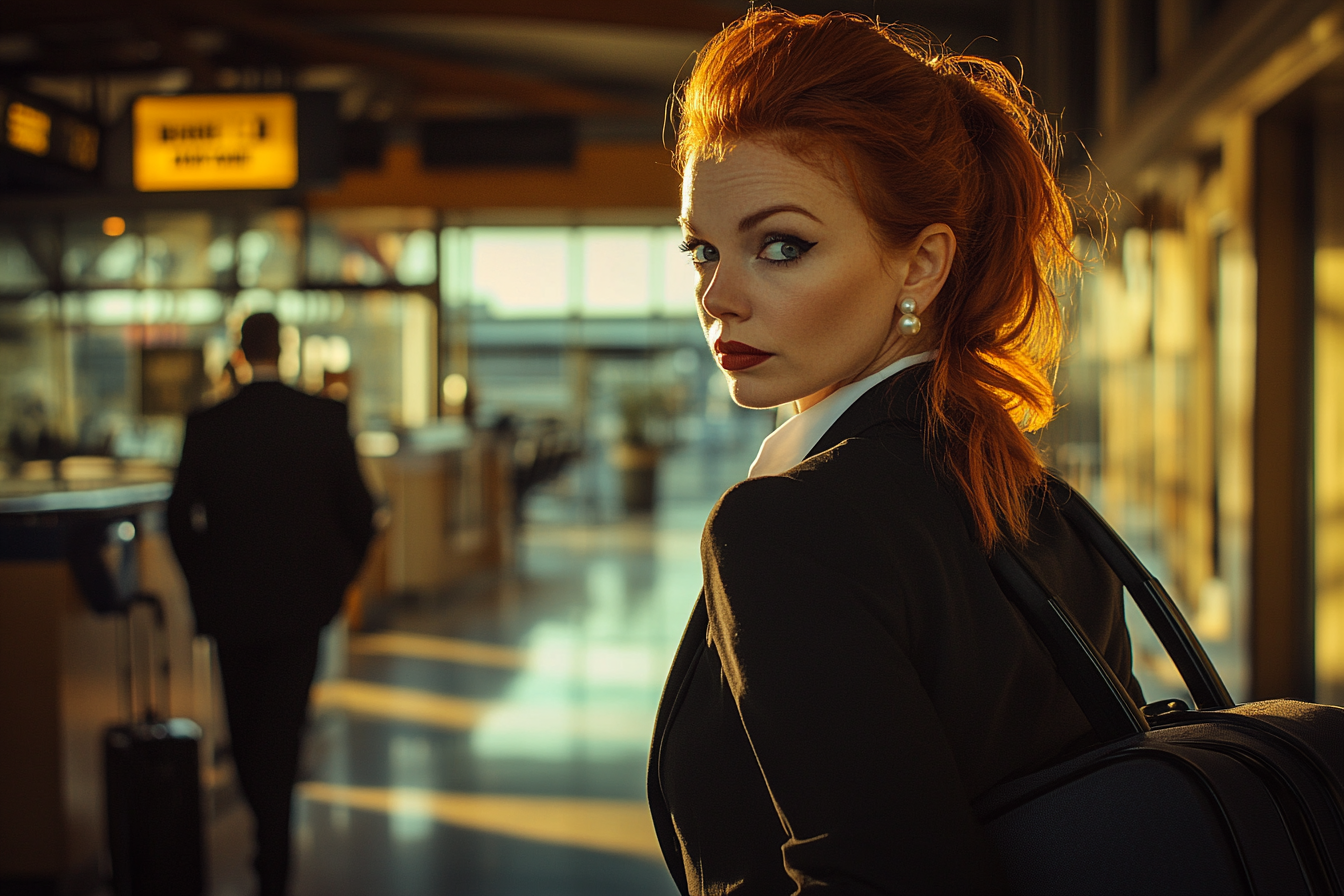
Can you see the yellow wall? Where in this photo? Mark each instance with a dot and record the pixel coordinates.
(1329, 435)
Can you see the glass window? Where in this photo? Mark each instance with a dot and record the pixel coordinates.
(267, 251)
(173, 249)
(520, 271)
(19, 272)
(101, 251)
(615, 271)
(539, 272)
(177, 247)
(679, 277)
(373, 246)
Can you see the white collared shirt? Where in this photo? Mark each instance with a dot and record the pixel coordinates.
(788, 445)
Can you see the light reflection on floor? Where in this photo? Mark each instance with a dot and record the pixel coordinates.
(612, 826)
(493, 741)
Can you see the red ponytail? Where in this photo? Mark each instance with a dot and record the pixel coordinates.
(927, 138)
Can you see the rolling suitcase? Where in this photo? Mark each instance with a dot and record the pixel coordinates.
(152, 774)
(1221, 799)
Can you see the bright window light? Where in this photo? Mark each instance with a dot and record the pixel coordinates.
(521, 271)
(111, 307)
(120, 259)
(616, 271)
(678, 276)
(417, 264)
(199, 306)
(338, 354)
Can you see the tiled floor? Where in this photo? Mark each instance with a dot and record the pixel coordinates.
(493, 740)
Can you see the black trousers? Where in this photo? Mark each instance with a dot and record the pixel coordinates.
(266, 692)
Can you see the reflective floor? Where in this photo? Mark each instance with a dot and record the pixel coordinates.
(493, 740)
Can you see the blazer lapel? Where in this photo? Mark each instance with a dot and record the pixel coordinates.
(894, 400)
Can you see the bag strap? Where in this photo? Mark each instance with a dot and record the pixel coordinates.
(1201, 678)
(1103, 699)
(1108, 707)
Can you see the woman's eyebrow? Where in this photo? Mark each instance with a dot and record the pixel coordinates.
(756, 218)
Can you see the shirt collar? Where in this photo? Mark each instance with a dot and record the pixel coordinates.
(790, 444)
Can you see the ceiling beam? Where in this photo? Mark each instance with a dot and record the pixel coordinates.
(681, 15)
(705, 16)
(429, 73)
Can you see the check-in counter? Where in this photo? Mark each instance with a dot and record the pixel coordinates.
(67, 556)
(447, 514)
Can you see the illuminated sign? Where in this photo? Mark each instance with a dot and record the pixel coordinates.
(216, 142)
(32, 126)
(28, 129)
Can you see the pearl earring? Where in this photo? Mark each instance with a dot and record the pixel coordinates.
(909, 322)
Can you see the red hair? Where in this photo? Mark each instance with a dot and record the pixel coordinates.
(926, 138)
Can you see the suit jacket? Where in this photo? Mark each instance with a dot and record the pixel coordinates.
(852, 677)
(269, 516)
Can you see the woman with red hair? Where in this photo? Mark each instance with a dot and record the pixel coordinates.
(877, 238)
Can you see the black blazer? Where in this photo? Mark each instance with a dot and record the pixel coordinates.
(269, 516)
(852, 677)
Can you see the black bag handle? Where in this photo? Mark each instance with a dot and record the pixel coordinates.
(1198, 673)
(1108, 707)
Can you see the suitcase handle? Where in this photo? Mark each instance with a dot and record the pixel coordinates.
(1108, 707)
(151, 714)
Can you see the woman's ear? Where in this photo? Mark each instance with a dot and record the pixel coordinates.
(930, 261)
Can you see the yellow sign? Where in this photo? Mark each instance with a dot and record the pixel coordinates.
(28, 129)
(216, 142)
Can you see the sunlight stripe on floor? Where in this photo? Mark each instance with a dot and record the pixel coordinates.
(615, 826)
(430, 647)
(543, 724)
(401, 704)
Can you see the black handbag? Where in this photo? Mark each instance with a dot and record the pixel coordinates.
(1220, 799)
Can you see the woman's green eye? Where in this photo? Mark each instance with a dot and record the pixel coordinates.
(779, 250)
(704, 253)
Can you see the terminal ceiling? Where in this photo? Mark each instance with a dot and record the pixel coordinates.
(611, 64)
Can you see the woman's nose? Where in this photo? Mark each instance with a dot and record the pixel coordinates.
(719, 299)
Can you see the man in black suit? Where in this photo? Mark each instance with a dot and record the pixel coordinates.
(270, 520)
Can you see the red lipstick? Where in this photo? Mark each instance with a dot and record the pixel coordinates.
(738, 355)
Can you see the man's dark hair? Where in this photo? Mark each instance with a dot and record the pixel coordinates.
(260, 340)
